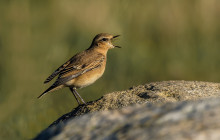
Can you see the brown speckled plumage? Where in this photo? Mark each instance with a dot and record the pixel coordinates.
(83, 68)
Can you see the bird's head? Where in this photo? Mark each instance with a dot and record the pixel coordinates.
(104, 40)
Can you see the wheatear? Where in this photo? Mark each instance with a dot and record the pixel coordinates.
(83, 68)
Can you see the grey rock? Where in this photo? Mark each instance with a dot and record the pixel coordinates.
(197, 120)
(152, 120)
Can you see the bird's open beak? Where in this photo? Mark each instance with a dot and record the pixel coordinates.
(117, 46)
(114, 38)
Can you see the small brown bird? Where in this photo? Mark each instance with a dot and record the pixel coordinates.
(83, 68)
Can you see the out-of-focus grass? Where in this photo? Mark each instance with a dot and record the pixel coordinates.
(161, 40)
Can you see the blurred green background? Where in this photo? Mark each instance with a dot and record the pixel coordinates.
(161, 40)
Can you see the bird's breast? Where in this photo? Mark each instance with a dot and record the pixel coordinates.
(87, 78)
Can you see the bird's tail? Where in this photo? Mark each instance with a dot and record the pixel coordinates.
(50, 89)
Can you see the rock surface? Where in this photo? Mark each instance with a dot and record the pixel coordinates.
(154, 120)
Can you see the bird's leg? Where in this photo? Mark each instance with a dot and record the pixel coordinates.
(72, 90)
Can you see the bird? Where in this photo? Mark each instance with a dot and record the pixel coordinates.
(84, 68)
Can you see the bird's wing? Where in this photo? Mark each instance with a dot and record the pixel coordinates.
(72, 71)
(84, 65)
(58, 70)
(61, 80)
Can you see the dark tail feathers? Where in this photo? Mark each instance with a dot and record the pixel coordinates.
(48, 90)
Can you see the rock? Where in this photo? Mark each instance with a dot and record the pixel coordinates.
(197, 120)
(151, 121)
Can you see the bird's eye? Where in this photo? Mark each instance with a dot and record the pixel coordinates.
(105, 39)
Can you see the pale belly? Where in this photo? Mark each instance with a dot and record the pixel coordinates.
(86, 78)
